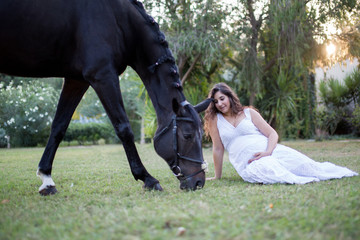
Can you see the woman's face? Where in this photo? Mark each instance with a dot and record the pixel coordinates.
(222, 102)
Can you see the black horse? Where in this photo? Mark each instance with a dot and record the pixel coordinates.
(90, 43)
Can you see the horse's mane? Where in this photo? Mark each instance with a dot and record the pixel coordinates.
(168, 57)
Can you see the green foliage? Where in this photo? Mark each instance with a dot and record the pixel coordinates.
(90, 105)
(90, 132)
(26, 112)
(138, 105)
(327, 119)
(3, 140)
(7, 80)
(355, 119)
(150, 120)
(352, 83)
(282, 100)
(274, 52)
(334, 92)
(340, 102)
(197, 33)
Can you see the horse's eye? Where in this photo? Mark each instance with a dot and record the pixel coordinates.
(188, 136)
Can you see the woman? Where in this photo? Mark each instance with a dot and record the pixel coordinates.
(252, 145)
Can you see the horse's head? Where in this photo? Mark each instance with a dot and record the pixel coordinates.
(179, 143)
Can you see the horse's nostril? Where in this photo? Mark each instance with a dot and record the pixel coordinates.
(183, 185)
(199, 184)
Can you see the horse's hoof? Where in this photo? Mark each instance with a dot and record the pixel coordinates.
(50, 190)
(156, 186)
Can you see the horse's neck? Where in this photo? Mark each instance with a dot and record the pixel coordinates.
(161, 99)
(154, 62)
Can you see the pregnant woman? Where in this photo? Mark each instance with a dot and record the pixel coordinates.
(252, 145)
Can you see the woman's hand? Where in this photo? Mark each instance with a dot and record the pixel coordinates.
(259, 155)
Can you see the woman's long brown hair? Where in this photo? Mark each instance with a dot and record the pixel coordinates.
(211, 111)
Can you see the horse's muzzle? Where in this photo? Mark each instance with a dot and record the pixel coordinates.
(192, 184)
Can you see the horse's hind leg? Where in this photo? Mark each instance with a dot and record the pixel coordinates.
(110, 96)
(70, 97)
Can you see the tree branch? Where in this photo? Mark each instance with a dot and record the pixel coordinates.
(190, 69)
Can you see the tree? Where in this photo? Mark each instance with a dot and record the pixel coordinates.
(248, 61)
(197, 34)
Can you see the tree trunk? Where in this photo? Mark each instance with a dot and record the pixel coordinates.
(183, 79)
(8, 141)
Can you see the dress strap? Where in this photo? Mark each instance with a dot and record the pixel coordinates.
(247, 113)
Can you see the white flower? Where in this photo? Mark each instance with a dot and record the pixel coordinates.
(10, 121)
(41, 98)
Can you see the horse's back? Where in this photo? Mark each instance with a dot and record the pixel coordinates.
(34, 36)
(40, 38)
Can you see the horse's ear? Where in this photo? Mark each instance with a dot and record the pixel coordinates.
(202, 106)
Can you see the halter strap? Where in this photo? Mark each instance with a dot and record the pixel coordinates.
(174, 166)
(184, 103)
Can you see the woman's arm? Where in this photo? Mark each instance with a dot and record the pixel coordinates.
(268, 131)
(218, 149)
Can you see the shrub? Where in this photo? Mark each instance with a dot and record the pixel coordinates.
(340, 104)
(89, 132)
(3, 140)
(355, 119)
(26, 112)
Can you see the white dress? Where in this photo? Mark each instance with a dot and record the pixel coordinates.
(285, 165)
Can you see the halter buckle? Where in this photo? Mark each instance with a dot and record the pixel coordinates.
(204, 166)
(179, 174)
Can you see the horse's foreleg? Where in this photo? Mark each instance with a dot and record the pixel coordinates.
(110, 96)
(70, 97)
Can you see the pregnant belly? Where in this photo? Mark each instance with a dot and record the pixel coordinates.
(249, 144)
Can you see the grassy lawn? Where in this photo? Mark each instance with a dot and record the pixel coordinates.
(99, 199)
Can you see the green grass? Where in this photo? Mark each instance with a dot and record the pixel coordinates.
(99, 199)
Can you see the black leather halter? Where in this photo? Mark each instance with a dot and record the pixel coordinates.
(174, 166)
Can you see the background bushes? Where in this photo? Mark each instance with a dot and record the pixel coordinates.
(338, 112)
(90, 133)
(26, 112)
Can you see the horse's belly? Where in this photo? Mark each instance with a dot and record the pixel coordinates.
(30, 68)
